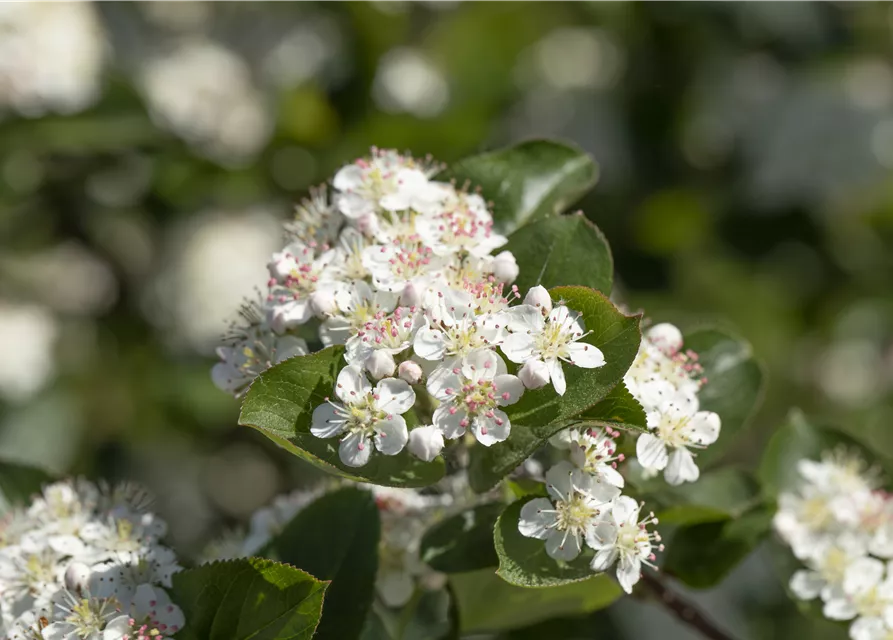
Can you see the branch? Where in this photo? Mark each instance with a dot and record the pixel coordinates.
(683, 610)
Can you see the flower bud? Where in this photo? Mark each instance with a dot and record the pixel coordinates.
(425, 442)
(410, 371)
(534, 374)
(77, 577)
(411, 296)
(505, 268)
(539, 297)
(381, 364)
(368, 224)
(665, 337)
(281, 266)
(323, 301)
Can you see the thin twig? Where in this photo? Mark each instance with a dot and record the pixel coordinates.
(683, 610)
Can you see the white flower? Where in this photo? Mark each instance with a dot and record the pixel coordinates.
(871, 629)
(677, 426)
(416, 192)
(296, 273)
(553, 339)
(85, 618)
(461, 225)
(534, 374)
(364, 416)
(357, 304)
(425, 442)
(387, 333)
(251, 351)
(539, 297)
(595, 452)
(471, 395)
(121, 577)
(621, 537)
(829, 564)
(402, 262)
(660, 363)
(150, 614)
(867, 592)
(504, 267)
(565, 519)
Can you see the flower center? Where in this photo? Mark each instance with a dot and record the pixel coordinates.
(816, 513)
(870, 603)
(361, 417)
(87, 617)
(463, 338)
(387, 331)
(553, 341)
(575, 514)
(671, 429)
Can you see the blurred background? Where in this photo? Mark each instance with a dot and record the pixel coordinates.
(148, 152)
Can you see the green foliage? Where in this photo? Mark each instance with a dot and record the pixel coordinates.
(280, 404)
(523, 561)
(336, 538)
(718, 495)
(463, 542)
(734, 386)
(249, 598)
(541, 413)
(18, 482)
(487, 603)
(528, 181)
(429, 615)
(563, 250)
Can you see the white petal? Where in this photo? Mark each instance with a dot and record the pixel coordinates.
(651, 452)
(288, 346)
(391, 435)
(395, 396)
(489, 431)
(862, 575)
(429, 344)
(628, 573)
(518, 347)
(582, 354)
(604, 559)
(352, 385)
(703, 428)
(610, 475)
(602, 491)
(533, 522)
(326, 423)
(561, 546)
(604, 534)
(557, 375)
(525, 318)
(806, 585)
(681, 467)
(559, 480)
(348, 177)
(442, 378)
(868, 629)
(449, 423)
(625, 510)
(839, 609)
(291, 314)
(425, 443)
(508, 389)
(480, 364)
(227, 378)
(355, 450)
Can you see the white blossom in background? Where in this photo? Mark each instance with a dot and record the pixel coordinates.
(84, 562)
(28, 338)
(838, 523)
(204, 93)
(51, 57)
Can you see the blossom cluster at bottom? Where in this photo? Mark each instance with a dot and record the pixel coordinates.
(85, 562)
(840, 525)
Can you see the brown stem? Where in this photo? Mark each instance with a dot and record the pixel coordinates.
(682, 609)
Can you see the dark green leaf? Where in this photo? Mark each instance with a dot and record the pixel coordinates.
(619, 410)
(463, 542)
(280, 404)
(702, 555)
(523, 561)
(248, 598)
(336, 538)
(541, 413)
(562, 250)
(529, 181)
(19, 482)
(734, 386)
(487, 603)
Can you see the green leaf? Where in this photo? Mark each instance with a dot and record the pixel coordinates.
(703, 554)
(248, 598)
(734, 386)
(528, 181)
(523, 561)
(541, 413)
(280, 404)
(429, 615)
(563, 250)
(487, 603)
(463, 542)
(718, 495)
(336, 538)
(19, 482)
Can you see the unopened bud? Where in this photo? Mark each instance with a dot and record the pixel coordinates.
(410, 371)
(380, 364)
(666, 336)
(368, 224)
(534, 374)
(77, 577)
(539, 297)
(425, 442)
(505, 267)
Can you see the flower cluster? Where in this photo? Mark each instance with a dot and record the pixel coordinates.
(840, 525)
(85, 563)
(585, 506)
(398, 268)
(665, 379)
(405, 515)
